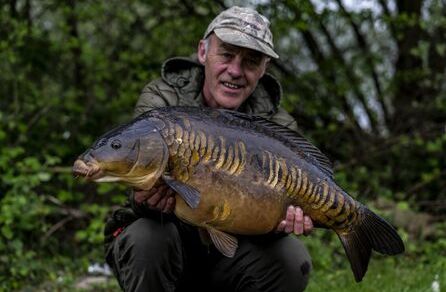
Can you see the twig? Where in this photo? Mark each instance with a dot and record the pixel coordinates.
(419, 185)
(75, 213)
(60, 169)
(56, 227)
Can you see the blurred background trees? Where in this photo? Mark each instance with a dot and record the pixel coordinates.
(364, 79)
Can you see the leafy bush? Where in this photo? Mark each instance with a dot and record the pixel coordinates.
(72, 69)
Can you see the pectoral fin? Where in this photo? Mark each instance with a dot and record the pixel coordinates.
(188, 193)
(225, 243)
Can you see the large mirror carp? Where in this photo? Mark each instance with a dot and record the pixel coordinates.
(236, 174)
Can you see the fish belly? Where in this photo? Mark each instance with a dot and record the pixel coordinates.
(234, 204)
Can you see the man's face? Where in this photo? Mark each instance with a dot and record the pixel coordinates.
(231, 72)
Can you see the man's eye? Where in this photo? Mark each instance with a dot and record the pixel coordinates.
(227, 55)
(252, 62)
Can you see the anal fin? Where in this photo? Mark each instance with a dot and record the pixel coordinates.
(225, 243)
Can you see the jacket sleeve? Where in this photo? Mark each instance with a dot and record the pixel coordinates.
(282, 117)
(155, 94)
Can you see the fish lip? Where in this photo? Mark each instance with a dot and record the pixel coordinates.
(89, 170)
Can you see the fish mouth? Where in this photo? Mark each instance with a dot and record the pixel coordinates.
(89, 170)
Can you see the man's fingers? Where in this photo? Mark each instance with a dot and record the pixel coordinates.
(154, 199)
(281, 226)
(308, 225)
(170, 205)
(163, 189)
(290, 219)
(170, 192)
(161, 192)
(298, 221)
(161, 203)
(140, 195)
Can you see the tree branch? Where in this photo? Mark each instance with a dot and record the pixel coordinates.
(320, 60)
(388, 15)
(13, 8)
(408, 69)
(363, 45)
(27, 15)
(351, 76)
(437, 62)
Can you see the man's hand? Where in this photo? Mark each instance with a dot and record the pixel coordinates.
(160, 197)
(295, 222)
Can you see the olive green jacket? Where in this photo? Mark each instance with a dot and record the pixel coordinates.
(181, 83)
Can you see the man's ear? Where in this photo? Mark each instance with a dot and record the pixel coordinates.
(201, 52)
(265, 65)
(267, 62)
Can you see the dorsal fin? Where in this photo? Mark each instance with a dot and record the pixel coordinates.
(295, 140)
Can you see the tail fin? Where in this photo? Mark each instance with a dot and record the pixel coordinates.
(372, 232)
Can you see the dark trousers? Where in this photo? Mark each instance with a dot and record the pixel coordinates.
(151, 255)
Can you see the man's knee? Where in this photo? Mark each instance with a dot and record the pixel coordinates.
(151, 237)
(279, 265)
(147, 255)
(294, 258)
(289, 258)
(147, 242)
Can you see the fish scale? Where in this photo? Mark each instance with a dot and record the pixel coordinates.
(236, 174)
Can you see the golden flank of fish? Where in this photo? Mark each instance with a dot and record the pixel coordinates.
(222, 163)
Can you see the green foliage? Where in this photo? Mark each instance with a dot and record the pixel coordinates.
(72, 69)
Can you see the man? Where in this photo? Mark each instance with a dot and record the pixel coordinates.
(150, 249)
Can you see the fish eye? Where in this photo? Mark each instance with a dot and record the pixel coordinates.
(115, 144)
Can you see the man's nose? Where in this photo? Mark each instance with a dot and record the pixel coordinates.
(235, 67)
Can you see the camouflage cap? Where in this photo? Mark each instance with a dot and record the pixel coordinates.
(244, 27)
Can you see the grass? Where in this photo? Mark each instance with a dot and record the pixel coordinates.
(402, 274)
(384, 275)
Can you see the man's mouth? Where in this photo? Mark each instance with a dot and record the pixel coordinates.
(232, 85)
